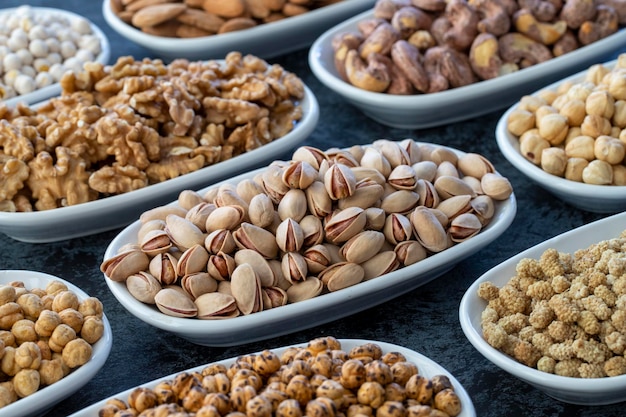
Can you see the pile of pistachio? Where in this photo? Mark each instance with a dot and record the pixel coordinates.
(318, 223)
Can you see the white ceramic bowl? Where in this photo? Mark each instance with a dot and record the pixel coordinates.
(427, 110)
(52, 90)
(265, 41)
(116, 211)
(589, 197)
(426, 366)
(596, 391)
(44, 399)
(305, 314)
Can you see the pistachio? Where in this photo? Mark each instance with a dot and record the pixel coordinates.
(124, 264)
(412, 150)
(427, 193)
(447, 168)
(367, 193)
(428, 230)
(220, 266)
(224, 217)
(289, 235)
(183, 233)
(380, 264)
(272, 182)
(199, 213)
(464, 226)
(164, 267)
(397, 228)
(425, 170)
(339, 181)
(309, 288)
(247, 189)
(403, 177)
(318, 200)
(155, 241)
(440, 154)
(474, 165)
(294, 267)
(312, 231)
(198, 283)
(189, 198)
(161, 212)
(448, 186)
(455, 205)
(148, 226)
(143, 286)
(363, 173)
(227, 196)
(299, 174)
(345, 224)
(220, 240)
(343, 157)
(293, 205)
(276, 297)
(410, 252)
(249, 236)
(311, 155)
(261, 210)
(192, 260)
(317, 258)
(362, 246)
(246, 288)
(342, 275)
(496, 186)
(258, 263)
(375, 218)
(484, 208)
(395, 154)
(373, 158)
(400, 201)
(175, 303)
(216, 305)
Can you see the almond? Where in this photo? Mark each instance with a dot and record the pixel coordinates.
(225, 8)
(159, 13)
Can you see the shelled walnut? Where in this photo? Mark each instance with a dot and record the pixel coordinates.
(122, 127)
(196, 18)
(416, 47)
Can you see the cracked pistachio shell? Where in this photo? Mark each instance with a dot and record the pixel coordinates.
(299, 174)
(294, 267)
(189, 198)
(274, 297)
(161, 213)
(261, 210)
(373, 158)
(317, 258)
(197, 284)
(342, 275)
(474, 165)
(496, 186)
(175, 303)
(246, 288)
(448, 186)
(225, 217)
(305, 290)
(410, 252)
(192, 260)
(366, 194)
(403, 177)
(412, 149)
(227, 196)
(184, 234)
(293, 205)
(220, 266)
(464, 226)
(318, 200)
(216, 305)
(375, 218)
(199, 213)
(447, 168)
(289, 235)
(344, 224)
(311, 155)
(344, 157)
(249, 236)
(149, 226)
(363, 173)
(400, 201)
(339, 181)
(425, 170)
(272, 182)
(143, 286)
(428, 195)
(248, 188)
(484, 208)
(380, 264)
(440, 155)
(155, 241)
(392, 151)
(164, 267)
(363, 246)
(259, 263)
(312, 230)
(220, 240)
(123, 264)
(429, 230)
(455, 205)
(397, 228)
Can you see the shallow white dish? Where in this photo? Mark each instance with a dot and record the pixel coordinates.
(55, 89)
(597, 391)
(266, 41)
(116, 211)
(305, 314)
(44, 399)
(426, 366)
(427, 110)
(589, 197)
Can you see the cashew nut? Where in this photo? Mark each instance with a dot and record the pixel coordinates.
(370, 76)
(605, 24)
(543, 10)
(341, 44)
(576, 12)
(485, 58)
(494, 17)
(379, 41)
(523, 51)
(407, 59)
(546, 33)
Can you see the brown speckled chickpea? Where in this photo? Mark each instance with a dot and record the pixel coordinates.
(10, 313)
(392, 357)
(266, 363)
(366, 352)
(391, 409)
(31, 305)
(76, 353)
(448, 401)
(54, 287)
(320, 407)
(322, 364)
(372, 394)
(352, 373)
(24, 331)
(300, 389)
(419, 388)
(193, 401)
(51, 371)
(47, 321)
(91, 306)
(72, 318)
(92, 329)
(289, 408)
(240, 396)
(440, 382)
(142, 399)
(378, 371)
(61, 335)
(219, 400)
(402, 371)
(26, 382)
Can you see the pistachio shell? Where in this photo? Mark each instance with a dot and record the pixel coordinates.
(227, 196)
(483, 207)
(440, 155)
(312, 230)
(428, 195)
(199, 213)
(294, 267)
(164, 267)
(259, 264)
(225, 217)
(143, 286)
(274, 297)
(447, 169)
(293, 205)
(175, 303)
(220, 266)
(392, 151)
(317, 258)
(448, 186)
(247, 189)
(400, 201)
(161, 213)
(148, 226)
(183, 233)
(345, 224)
(380, 264)
(249, 236)
(496, 186)
(220, 240)
(122, 265)
(246, 288)
(342, 275)
(197, 284)
(428, 230)
(340, 156)
(364, 173)
(189, 198)
(455, 205)
(299, 174)
(375, 218)
(412, 149)
(304, 290)
(474, 165)
(192, 260)
(339, 181)
(410, 252)
(155, 241)
(464, 226)
(373, 158)
(397, 228)
(311, 155)
(367, 194)
(261, 210)
(216, 305)
(426, 170)
(363, 246)
(289, 235)
(318, 200)
(403, 177)
(272, 182)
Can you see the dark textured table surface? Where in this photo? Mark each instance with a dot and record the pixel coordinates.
(425, 319)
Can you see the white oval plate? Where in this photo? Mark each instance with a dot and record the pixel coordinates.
(266, 41)
(116, 211)
(309, 313)
(589, 197)
(426, 366)
(597, 391)
(52, 90)
(44, 399)
(427, 110)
